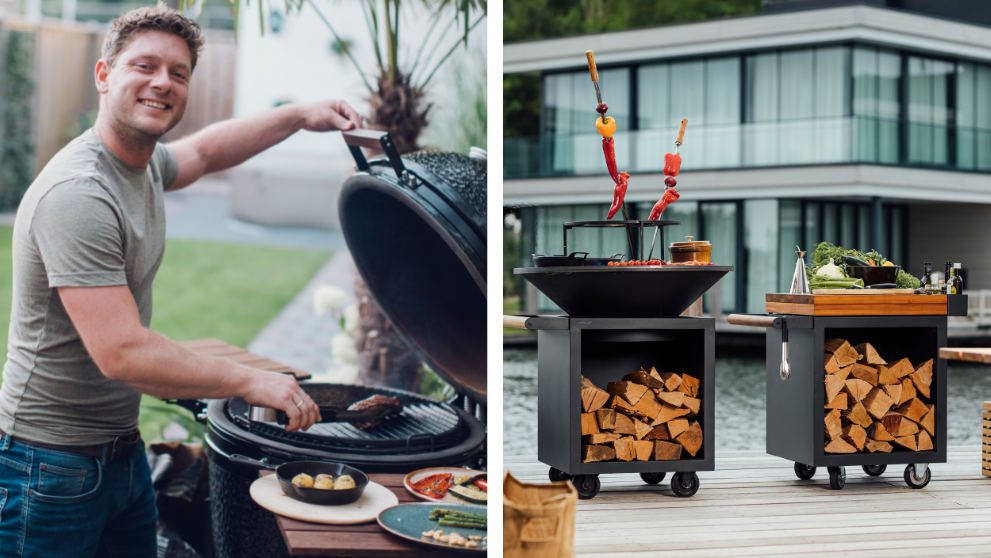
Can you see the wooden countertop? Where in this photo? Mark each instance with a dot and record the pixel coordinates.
(967, 354)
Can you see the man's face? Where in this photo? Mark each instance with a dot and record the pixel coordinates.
(147, 87)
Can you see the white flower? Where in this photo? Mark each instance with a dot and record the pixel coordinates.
(328, 298)
(343, 349)
(351, 315)
(345, 374)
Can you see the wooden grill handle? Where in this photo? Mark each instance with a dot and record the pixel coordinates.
(681, 131)
(514, 321)
(754, 321)
(364, 137)
(591, 65)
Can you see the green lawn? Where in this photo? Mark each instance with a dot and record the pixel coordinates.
(204, 289)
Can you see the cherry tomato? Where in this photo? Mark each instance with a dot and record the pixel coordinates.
(609, 264)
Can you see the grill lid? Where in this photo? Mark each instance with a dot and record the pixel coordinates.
(416, 228)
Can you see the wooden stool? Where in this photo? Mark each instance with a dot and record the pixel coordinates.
(986, 445)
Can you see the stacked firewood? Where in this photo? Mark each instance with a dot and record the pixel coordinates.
(872, 404)
(645, 417)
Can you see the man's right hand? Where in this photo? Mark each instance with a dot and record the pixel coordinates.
(282, 391)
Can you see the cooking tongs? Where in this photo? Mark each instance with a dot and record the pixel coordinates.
(327, 414)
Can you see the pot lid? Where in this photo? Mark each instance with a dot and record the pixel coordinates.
(689, 243)
(416, 228)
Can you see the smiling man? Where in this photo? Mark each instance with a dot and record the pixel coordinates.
(88, 239)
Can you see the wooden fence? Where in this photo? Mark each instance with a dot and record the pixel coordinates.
(65, 57)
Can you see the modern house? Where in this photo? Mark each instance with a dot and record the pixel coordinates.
(864, 125)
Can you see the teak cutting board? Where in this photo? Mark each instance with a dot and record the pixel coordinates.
(267, 493)
(863, 291)
(856, 305)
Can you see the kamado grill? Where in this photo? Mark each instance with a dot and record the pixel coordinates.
(415, 226)
(621, 320)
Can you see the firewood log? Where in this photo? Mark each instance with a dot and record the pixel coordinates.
(642, 429)
(834, 345)
(607, 419)
(664, 451)
(844, 373)
(928, 422)
(849, 357)
(923, 377)
(908, 442)
(907, 428)
(923, 442)
(894, 392)
(592, 453)
(692, 404)
(659, 432)
(676, 427)
(908, 391)
(877, 403)
(913, 410)
(668, 413)
(838, 402)
(892, 422)
(620, 405)
(625, 450)
(857, 415)
(834, 427)
(673, 398)
(593, 398)
(643, 378)
(902, 368)
(589, 424)
(648, 405)
(839, 445)
(858, 389)
(691, 439)
(886, 377)
(832, 366)
(874, 446)
(855, 435)
(601, 438)
(644, 449)
(689, 385)
(629, 391)
(833, 386)
(865, 373)
(624, 425)
(672, 381)
(879, 433)
(869, 355)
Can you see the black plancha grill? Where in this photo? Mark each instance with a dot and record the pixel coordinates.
(620, 319)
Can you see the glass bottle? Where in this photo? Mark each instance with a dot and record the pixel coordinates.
(956, 283)
(927, 280)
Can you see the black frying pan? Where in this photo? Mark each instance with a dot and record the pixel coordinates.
(287, 471)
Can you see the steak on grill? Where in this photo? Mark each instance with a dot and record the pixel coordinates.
(378, 403)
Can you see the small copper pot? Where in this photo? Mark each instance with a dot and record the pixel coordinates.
(690, 251)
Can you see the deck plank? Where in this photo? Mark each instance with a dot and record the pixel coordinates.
(753, 505)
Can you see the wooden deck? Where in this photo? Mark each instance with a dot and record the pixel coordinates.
(754, 505)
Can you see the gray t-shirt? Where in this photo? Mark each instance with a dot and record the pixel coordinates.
(88, 220)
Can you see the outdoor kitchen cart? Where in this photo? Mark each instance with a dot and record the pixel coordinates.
(621, 320)
(800, 328)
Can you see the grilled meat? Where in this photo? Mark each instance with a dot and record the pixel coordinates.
(377, 402)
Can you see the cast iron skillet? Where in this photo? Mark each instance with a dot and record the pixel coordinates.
(287, 471)
(541, 260)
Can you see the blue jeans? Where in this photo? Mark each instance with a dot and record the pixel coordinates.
(57, 504)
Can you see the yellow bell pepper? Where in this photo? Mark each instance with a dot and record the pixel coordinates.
(606, 126)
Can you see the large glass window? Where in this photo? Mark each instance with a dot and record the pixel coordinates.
(719, 226)
(929, 110)
(876, 105)
(973, 116)
(790, 236)
(761, 244)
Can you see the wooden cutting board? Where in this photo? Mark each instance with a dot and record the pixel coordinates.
(883, 303)
(864, 291)
(267, 493)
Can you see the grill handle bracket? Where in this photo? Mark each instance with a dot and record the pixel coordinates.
(375, 139)
(421, 436)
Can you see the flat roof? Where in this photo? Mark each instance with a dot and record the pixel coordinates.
(892, 28)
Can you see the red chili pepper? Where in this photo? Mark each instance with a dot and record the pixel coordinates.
(483, 484)
(609, 148)
(669, 197)
(672, 164)
(618, 193)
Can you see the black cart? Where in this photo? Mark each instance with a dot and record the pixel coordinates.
(795, 408)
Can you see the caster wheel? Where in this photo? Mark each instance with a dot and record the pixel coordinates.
(685, 484)
(557, 475)
(917, 482)
(587, 486)
(804, 472)
(837, 477)
(652, 478)
(875, 470)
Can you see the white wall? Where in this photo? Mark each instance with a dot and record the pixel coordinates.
(297, 64)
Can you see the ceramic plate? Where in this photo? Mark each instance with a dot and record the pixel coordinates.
(410, 521)
(423, 473)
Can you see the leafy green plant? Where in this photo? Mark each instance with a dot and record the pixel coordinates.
(434, 386)
(17, 155)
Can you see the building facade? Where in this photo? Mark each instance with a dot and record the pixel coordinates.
(862, 126)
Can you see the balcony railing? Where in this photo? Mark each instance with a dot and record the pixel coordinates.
(760, 144)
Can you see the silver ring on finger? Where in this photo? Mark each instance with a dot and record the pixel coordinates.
(301, 403)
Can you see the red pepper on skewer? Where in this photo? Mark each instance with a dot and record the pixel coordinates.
(669, 197)
(609, 148)
(672, 164)
(618, 193)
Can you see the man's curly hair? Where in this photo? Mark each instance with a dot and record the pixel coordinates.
(152, 18)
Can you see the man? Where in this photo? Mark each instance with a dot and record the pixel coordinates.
(88, 239)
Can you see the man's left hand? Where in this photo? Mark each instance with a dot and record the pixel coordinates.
(327, 116)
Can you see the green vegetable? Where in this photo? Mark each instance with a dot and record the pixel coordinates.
(906, 281)
(824, 282)
(830, 270)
